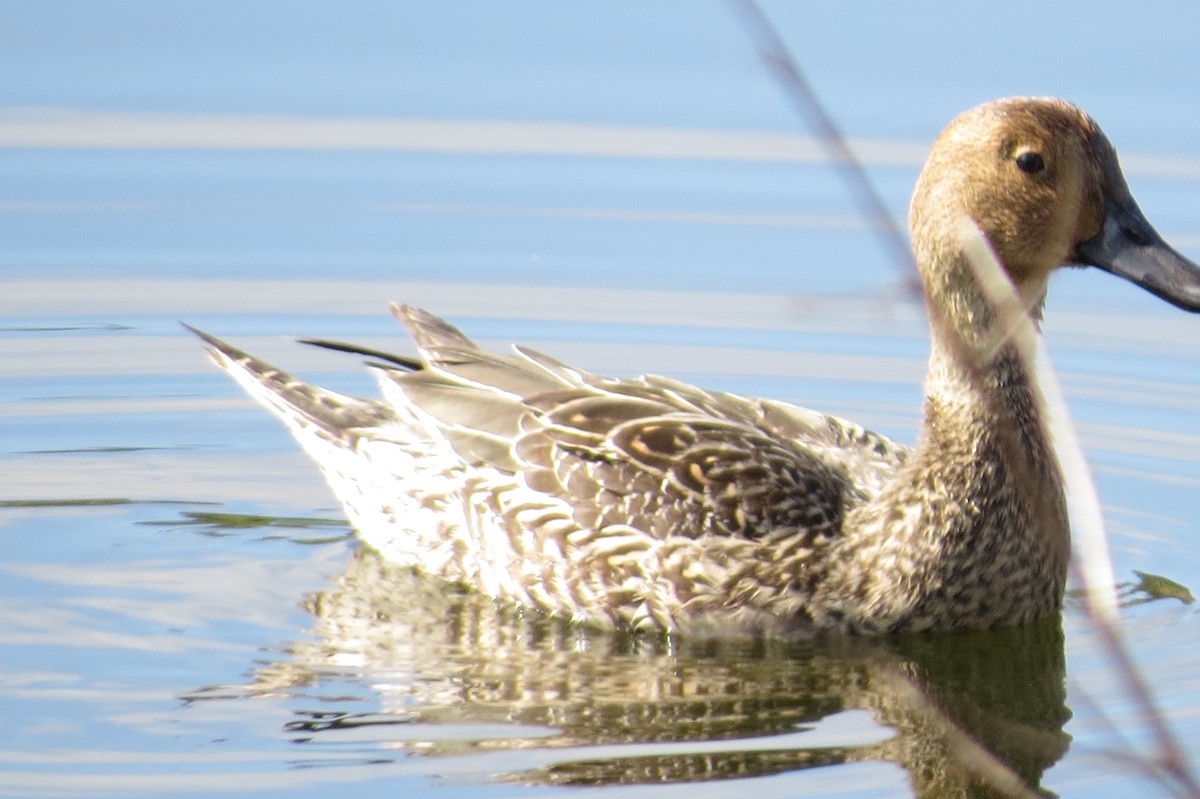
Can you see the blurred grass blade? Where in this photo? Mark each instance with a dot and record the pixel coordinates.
(787, 73)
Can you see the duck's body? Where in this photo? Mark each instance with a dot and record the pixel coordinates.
(651, 503)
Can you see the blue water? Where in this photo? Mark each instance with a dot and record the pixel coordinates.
(207, 626)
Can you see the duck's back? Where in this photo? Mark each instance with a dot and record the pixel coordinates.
(642, 500)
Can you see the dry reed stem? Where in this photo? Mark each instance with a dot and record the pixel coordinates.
(783, 66)
(1090, 555)
(1091, 562)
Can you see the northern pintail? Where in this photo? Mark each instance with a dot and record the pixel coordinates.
(651, 503)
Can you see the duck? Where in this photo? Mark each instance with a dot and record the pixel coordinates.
(651, 504)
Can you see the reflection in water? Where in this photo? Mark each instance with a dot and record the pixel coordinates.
(437, 656)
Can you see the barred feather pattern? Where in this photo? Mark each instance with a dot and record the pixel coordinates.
(642, 503)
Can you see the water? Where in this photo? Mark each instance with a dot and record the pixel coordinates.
(182, 610)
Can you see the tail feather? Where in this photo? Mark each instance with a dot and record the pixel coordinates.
(431, 333)
(291, 399)
(388, 359)
(446, 350)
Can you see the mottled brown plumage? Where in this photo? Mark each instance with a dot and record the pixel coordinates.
(650, 503)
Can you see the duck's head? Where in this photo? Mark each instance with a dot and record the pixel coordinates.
(1041, 181)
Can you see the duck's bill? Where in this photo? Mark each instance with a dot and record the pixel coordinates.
(1129, 246)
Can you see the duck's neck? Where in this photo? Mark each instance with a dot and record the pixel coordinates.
(990, 408)
(981, 389)
(975, 522)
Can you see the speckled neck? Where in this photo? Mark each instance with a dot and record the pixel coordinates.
(973, 530)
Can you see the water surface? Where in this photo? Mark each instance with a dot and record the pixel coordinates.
(184, 611)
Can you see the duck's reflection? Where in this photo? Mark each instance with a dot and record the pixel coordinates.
(958, 704)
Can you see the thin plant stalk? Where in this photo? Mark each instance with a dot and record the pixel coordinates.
(798, 91)
(1092, 564)
(1091, 561)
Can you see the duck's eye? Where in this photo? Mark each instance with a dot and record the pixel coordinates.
(1030, 162)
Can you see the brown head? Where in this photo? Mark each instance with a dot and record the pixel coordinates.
(1042, 182)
